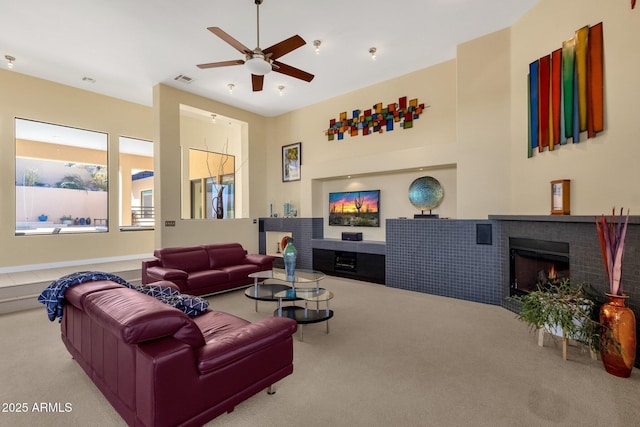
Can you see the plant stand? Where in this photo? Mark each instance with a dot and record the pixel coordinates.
(565, 340)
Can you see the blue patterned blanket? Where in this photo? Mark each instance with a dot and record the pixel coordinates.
(53, 296)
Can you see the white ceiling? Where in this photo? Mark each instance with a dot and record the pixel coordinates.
(128, 46)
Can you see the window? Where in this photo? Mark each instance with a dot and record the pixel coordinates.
(214, 172)
(61, 179)
(136, 184)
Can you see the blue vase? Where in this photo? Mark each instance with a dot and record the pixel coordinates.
(289, 256)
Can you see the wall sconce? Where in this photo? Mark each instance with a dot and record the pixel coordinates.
(372, 52)
(280, 89)
(316, 44)
(10, 59)
(231, 86)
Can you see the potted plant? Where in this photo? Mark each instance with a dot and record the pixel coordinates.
(618, 346)
(561, 309)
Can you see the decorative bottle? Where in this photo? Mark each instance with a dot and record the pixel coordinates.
(289, 255)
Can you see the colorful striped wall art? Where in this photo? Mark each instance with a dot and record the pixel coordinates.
(565, 92)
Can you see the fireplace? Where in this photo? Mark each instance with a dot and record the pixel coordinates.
(535, 263)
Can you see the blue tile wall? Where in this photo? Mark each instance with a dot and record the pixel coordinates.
(303, 230)
(442, 257)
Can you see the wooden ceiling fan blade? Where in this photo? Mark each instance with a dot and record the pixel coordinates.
(292, 71)
(284, 47)
(227, 38)
(220, 64)
(257, 82)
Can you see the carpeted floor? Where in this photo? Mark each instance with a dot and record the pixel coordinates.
(392, 358)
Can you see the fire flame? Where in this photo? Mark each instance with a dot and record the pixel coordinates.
(552, 275)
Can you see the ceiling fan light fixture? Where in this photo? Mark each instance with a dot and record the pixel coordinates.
(257, 65)
(280, 89)
(316, 44)
(372, 52)
(231, 86)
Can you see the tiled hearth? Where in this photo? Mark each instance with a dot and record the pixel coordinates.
(585, 256)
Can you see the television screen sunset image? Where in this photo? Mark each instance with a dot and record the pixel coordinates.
(355, 208)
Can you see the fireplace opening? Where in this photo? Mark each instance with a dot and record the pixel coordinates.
(536, 263)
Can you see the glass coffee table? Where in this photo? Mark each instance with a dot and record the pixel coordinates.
(305, 315)
(266, 291)
(277, 287)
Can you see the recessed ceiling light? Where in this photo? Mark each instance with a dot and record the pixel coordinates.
(10, 60)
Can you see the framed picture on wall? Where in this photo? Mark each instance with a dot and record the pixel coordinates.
(560, 197)
(291, 160)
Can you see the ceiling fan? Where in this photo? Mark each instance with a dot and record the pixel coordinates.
(261, 61)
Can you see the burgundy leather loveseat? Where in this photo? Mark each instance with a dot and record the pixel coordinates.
(159, 367)
(205, 269)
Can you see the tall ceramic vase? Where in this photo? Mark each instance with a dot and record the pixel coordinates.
(289, 255)
(218, 204)
(618, 340)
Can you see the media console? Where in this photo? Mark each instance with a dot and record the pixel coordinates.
(359, 260)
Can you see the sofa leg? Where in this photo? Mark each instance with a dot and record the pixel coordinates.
(271, 389)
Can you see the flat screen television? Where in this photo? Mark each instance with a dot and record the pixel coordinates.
(355, 208)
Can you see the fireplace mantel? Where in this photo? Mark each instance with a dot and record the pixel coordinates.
(633, 219)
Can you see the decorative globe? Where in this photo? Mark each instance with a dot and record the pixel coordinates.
(425, 193)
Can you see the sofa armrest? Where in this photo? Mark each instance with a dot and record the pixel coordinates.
(259, 259)
(164, 273)
(243, 342)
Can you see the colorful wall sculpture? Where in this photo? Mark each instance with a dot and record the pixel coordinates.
(376, 119)
(566, 92)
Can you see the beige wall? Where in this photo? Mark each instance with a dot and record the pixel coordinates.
(477, 125)
(167, 134)
(472, 138)
(483, 126)
(389, 161)
(32, 98)
(603, 170)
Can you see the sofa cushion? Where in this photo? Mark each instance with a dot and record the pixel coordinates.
(241, 271)
(234, 345)
(137, 317)
(206, 278)
(76, 295)
(216, 323)
(167, 273)
(223, 255)
(186, 258)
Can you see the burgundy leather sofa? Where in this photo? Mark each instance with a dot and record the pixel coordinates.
(159, 367)
(205, 269)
